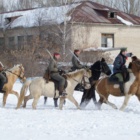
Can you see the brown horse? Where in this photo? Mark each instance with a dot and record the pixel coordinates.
(104, 88)
(12, 74)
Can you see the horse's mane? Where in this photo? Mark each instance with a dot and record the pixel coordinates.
(74, 73)
(13, 69)
(96, 65)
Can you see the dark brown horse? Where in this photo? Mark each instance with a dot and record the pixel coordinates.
(97, 68)
(104, 88)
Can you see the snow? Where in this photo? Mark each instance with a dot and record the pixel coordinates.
(124, 21)
(35, 17)
(51, 123)
(97, 49)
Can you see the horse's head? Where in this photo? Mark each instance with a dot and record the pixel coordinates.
(104, 67)
(20, 72)
(134, 66)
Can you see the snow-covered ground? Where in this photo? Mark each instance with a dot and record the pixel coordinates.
(50, 123)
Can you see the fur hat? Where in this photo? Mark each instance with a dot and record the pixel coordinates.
(123, 49)
(55, 54)
(76, 50)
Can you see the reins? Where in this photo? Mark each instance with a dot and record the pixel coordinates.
(15, 74)
(82, 80)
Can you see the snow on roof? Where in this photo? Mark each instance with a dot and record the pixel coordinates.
(33, 17)
(102, 49)
(125, 21)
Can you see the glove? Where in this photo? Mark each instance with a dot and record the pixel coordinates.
(61, 72)
(129, 54)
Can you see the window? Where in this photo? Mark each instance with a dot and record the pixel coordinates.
(30, 40)
(108, 40)
(112, 14)
(11, 42)
(1, 42)
(20, 42)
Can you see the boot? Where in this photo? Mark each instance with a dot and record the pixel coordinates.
(121, 87)
(1, 88)
(62, 93)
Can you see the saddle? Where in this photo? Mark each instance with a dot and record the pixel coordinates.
(114, 80)
(56, 83)
(46, 76)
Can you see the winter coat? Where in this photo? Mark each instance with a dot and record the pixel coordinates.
(53, 66)
(76, 64)
(119, 63)
(54, 72)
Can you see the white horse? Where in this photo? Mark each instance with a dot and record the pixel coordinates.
(39, 87)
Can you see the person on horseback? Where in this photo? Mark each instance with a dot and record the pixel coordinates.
(119, 68)
(75, 60)
(54, 74)
(2, 77)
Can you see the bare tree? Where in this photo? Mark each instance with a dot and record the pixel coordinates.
(25, 4)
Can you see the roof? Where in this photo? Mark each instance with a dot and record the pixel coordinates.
(87, 12)
(92, 12)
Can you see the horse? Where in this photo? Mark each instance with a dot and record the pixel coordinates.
(104, 88)
(12, 74)
(38, 87)
(97, 68)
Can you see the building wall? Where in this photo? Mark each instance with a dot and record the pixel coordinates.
(124, 36)
(90, 36)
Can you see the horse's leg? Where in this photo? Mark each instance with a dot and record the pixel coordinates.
(87, 96)
(99, 103)
(15, 93)
(62, 99)
(127, 97)
(93, 95)
(26, 98)
(35, 101)
(84, 100)
(5, 95)
(45, 100)
(72, 99)
(105, 100)
(55, 102)
(110, 104)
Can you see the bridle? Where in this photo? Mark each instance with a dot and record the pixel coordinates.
(19, 76)
(83, 81)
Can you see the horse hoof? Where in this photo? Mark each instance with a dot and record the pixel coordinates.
(121, 109)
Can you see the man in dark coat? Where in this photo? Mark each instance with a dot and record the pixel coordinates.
(54, 73)
(75, 60)
(2, 77)
(120, 68)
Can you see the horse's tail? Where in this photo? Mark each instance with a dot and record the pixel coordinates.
(23, 93)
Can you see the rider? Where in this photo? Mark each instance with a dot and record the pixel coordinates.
(75, 60)
(54, 73)
(120, 68)
(2, 77)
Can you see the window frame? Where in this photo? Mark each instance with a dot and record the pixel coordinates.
(107, 36)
